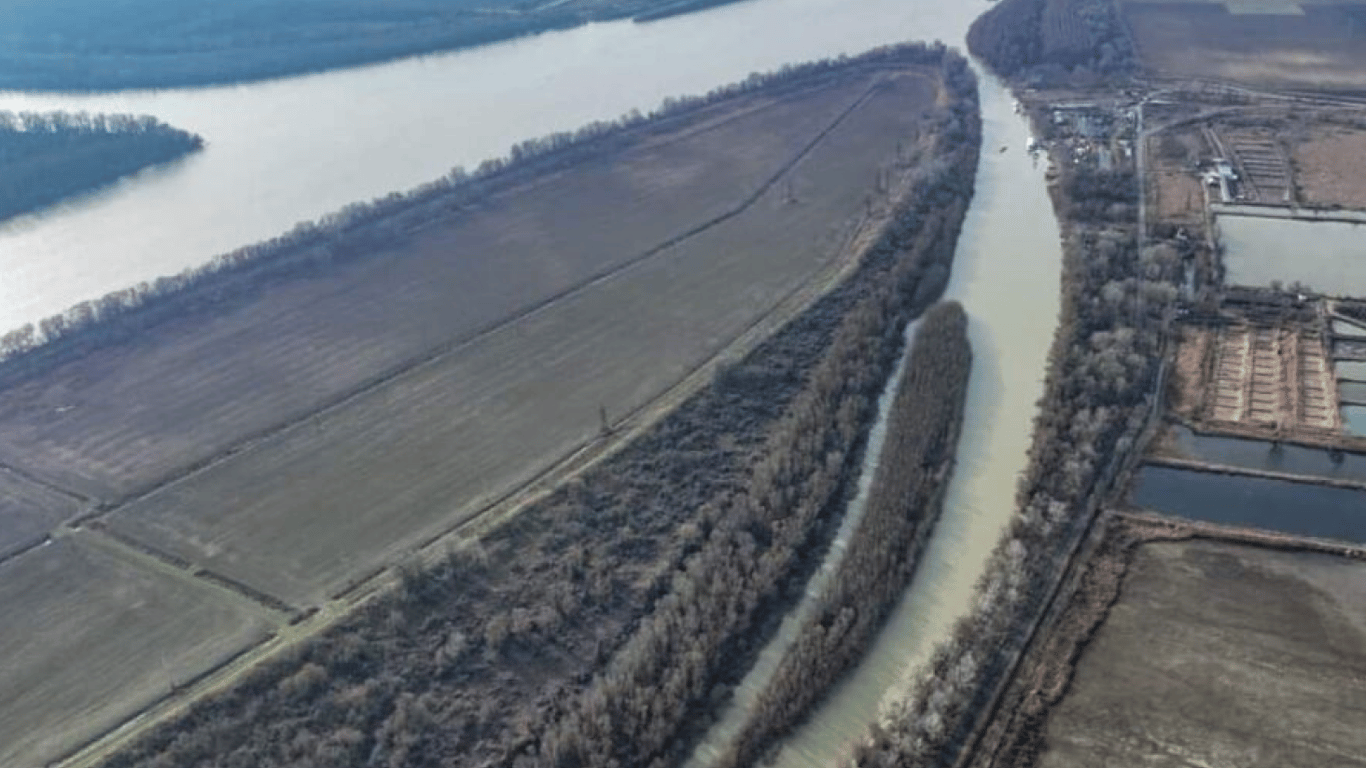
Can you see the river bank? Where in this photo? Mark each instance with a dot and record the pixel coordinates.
(902, 267)
(1005, 269)
(287, 151)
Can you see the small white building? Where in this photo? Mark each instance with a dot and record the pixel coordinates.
(1222, 175)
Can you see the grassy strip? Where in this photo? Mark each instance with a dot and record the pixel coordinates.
(904, 502)
(482, 659)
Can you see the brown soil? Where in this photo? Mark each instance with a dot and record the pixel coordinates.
(110, 423)
(398, 464)
(1186, 386)
(1177, 193)
(1278, 380)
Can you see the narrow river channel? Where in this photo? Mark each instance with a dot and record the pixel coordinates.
(1006, 274)
(291, 150)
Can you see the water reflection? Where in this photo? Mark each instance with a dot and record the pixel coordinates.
(1346, 369)
(1266, 456)
(1278, 505)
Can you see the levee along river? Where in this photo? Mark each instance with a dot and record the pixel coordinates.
(292, 150)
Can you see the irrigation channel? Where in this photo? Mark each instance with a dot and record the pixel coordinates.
(291, 150)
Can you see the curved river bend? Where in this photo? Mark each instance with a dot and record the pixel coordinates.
(291, 150)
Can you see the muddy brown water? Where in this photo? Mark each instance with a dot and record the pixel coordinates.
(1006, 274)
(291, 150)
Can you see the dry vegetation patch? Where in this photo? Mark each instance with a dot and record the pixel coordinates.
(1331, 167)
(394, 465)
(882, 552)
(1189, 377)
(478, 658)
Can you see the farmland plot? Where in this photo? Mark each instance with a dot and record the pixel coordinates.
(1221, 654)
(111, 423)
(87, 640)
(1307, 45)
(305, 511)
(28, 511)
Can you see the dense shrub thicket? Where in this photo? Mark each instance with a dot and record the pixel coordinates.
(597, 623)
(904, 502)
(1053, 41)
(50, 156)
(1100, 381)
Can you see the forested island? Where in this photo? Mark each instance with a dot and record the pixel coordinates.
(85, 45)
(47, 157)
(1053, 42)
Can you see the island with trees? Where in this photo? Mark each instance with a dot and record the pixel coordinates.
(48, 157)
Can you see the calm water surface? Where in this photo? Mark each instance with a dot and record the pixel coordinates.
(1328, 256)
(1349, 370)
(1354, 419)
(1262, 455)
(288, 151)
(1277, 505)
(291, 150)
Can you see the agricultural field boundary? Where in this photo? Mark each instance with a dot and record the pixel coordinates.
(42, 482)
(442, 351)
(441, 354)
(861, 236)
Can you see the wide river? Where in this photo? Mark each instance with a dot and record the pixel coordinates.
(291, 150)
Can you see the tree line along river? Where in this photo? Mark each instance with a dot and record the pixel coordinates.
(285, 151)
